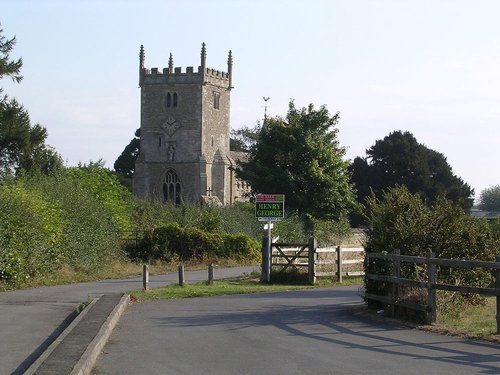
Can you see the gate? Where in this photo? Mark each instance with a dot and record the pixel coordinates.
(290, 255)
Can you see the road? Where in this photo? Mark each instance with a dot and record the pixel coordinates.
(31, 319)
(300, 332)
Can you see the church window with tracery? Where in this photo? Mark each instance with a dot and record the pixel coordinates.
(172, 188)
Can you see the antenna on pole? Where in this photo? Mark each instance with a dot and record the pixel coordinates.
(265, 108)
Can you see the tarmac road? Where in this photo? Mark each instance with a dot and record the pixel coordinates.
(31, 319)
(299, 332)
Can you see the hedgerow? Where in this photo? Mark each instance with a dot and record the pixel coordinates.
(31, 229)
(172, 241)
(401, 220)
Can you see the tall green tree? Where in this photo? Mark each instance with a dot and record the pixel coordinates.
(300, 156)
(125, 163)
(22, 145)
(8, 67)
(244, 138)
(489, 199)
(399, 159)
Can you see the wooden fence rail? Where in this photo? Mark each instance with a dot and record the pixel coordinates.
(320, 262)
(431, 284)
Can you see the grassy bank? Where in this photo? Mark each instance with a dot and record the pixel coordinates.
(117, 269)
(470, 321)
(247, 285)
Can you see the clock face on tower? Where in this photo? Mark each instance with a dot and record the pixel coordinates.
(170, 125)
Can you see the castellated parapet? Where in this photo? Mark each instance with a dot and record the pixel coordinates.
(185, 132)
(175, 75)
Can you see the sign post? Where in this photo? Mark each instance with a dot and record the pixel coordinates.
(269, 207)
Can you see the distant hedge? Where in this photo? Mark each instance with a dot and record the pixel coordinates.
(172, 241)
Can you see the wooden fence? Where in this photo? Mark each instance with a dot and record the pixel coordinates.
(333, 261)
(431, 285)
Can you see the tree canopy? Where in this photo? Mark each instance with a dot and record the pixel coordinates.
(244, 138)
(125, 163)
(8, 67)
(489, 199)
(300, 156)
(399, 159)
(22, 145)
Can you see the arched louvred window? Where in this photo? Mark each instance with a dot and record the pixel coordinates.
(175, 99)
(169, 100)
(172, 188)
(216, 99)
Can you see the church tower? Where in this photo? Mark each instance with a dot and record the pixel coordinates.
(185, 129)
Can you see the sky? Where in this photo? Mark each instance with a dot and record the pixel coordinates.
(430, 67)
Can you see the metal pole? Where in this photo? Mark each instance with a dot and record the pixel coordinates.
(268, 253)
(497, 287)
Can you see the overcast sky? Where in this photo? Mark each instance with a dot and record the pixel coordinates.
(431, 67)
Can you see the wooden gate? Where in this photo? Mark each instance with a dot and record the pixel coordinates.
(293, 255)
(313, 259)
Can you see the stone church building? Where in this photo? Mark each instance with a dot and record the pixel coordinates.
(184, 151)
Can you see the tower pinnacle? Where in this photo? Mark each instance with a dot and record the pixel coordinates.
(203, 60)
(230, 69)
(141, 64)
(171, 64)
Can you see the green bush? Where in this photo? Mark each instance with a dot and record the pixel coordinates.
(167, 242)
(240, 218)
(240, 246)
(31, 229)
(105, 187)
(402, 221)
(91, 232)
(73, 218)
(329, 233)
(290, 229)
(495, 229)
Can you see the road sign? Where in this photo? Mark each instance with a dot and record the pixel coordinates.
(270, 207)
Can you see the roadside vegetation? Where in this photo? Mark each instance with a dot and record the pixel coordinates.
(471, 321)
(80, 223)
(245, 285)
(401, 220)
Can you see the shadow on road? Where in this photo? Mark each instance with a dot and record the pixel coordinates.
(336, 325)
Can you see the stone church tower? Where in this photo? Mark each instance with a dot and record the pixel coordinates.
(185, 129)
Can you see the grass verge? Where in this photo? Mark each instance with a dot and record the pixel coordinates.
(115, 269)
(476, 322)
(226, 287)
(470, 322)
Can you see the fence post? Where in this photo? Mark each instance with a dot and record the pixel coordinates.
(210, 274)
(339, 264)
(145, 277)
(312, 260)
(265, 275)
(431, 291)
(180, 269)
(395, 286)
(497, 287)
